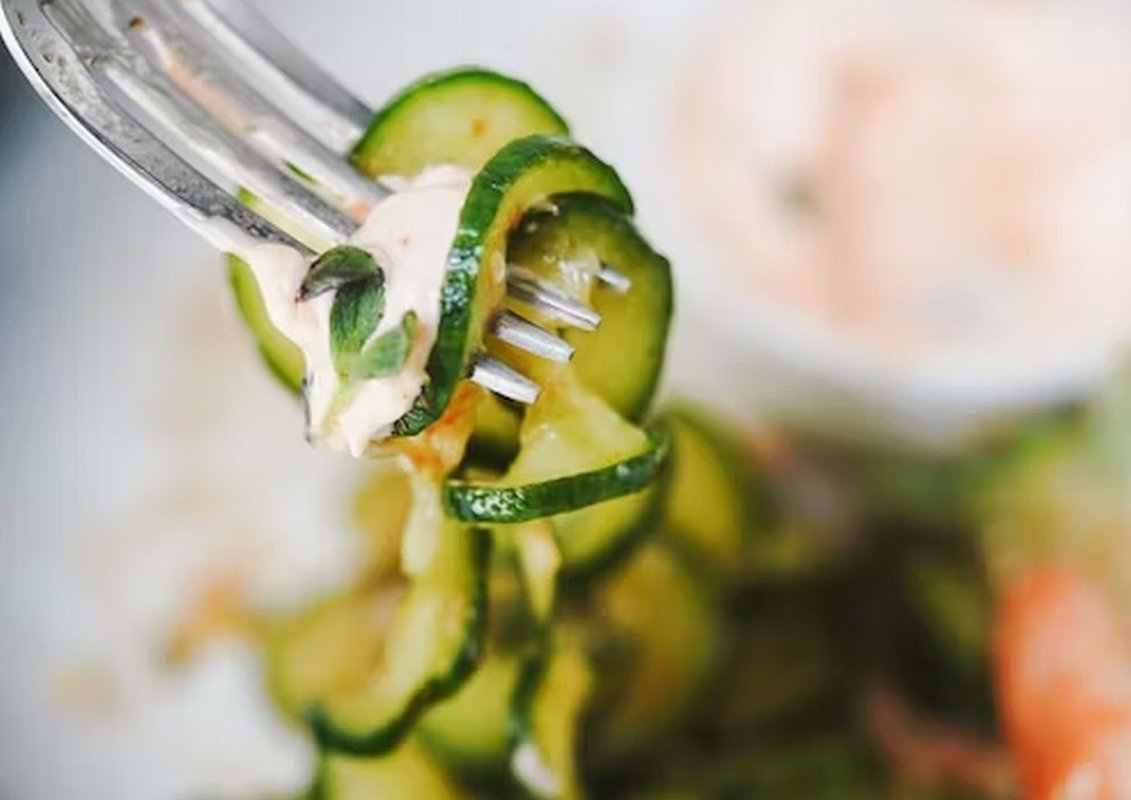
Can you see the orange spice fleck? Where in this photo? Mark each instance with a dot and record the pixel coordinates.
(219, 611)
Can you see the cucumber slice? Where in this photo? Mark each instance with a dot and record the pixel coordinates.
(494, 442)
(281, 356)
(501, 503)
(670, 618)
(351, 626)
(462, 116)
(471, 730)
(431, 649)
(382, 508)
(706, 504)
(551, 696)
(405, 773)
(622, 360)
(611, 490)
(522, 175)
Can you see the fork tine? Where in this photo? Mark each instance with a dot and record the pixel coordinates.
(124, 79)
(226, 156)
(494, 375)
(206, 69)
(59, 73)
(281, 71)
(522, 333)
(527, 288)
(614, 279)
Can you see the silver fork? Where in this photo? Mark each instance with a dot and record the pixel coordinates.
(194, 100)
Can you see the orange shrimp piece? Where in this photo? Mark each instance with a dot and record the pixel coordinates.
(1063, 671)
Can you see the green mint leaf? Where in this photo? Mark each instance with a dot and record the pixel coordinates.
(339, 267)
(386, 355)
(357, 310)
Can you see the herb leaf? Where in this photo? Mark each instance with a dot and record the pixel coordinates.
(337, 268)
(386, 355)
(357, 310)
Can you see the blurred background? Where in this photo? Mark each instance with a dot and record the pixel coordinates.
(896, 226)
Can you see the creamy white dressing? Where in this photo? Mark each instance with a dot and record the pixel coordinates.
(409, 234)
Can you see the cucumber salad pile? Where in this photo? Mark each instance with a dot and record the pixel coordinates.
(583, 597)
(477, 637)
